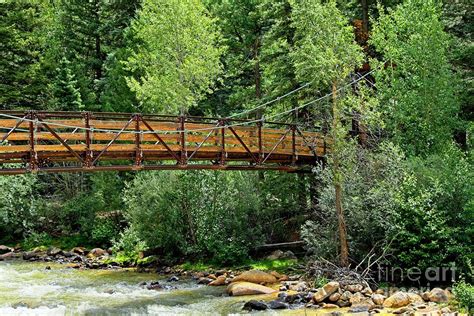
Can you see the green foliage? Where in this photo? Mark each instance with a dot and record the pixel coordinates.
(435, 214)
(416, 86)
(324, 50)
(104, 231)
(35, 239)
(177, 59)
(372, 180)
(66, 96)
(18, 205)
(464, 294)
(22, 30)
(194, 212)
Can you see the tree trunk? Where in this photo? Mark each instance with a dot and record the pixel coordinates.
(342, 230)
(365, 16)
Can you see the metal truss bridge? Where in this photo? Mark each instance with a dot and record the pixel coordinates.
(36, 141)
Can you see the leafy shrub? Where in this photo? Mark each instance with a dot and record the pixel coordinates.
(464, 294)
(104, 231)
(18, 205)
(36, 239)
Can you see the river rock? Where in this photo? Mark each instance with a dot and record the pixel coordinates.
(4, 249)
(399, 299)
(438, 295)
(277, 305)
(415, 298)
(378, 299)
(10, 255)
(329, 306)
(256, 276)
(247, 288)
(29, 255)
(204, 280)
(334, 297)
(154, 285)
(54, 251)
(219, 281)
(357, 298)
(354, 287)
(276, 275)
(403, 310)
(97, 252)
(275, 255)
(325, 291)
(299, 287)
(79, 250)
(255, 305)
(173, 278)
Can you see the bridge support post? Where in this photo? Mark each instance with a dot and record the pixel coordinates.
(138, 150)
(223, 153)
(88, 158)
(293, 145)
(260, 143)
(33, 158)
(183, 157)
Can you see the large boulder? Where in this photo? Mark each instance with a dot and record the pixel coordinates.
(438, 295)
(399, 299)
(256, 276)
(247, 288)
(325, 291)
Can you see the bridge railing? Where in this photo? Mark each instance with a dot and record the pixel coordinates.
(87, 140)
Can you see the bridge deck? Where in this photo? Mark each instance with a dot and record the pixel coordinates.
(85, 141)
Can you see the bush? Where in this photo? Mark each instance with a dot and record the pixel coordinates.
(435, 214)
(36, 240)
(464, 294)
(18, 205)
(207, 213)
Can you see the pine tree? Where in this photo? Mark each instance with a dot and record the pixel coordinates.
(22, 44)
(66, 96)
(89, 33)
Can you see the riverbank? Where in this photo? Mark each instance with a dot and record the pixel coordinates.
(257, 290)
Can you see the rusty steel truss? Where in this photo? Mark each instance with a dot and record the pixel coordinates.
(35, 141)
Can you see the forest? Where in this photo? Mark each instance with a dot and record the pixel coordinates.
(389, 81)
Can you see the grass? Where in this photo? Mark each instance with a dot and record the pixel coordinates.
(279, 265)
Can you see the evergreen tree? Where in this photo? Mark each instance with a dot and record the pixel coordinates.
(87, 32)
(23, 37)
(66, 96)
(177, 59)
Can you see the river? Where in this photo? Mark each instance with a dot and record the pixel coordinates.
(28, 288)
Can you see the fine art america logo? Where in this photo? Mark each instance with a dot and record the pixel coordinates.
(415, 274)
